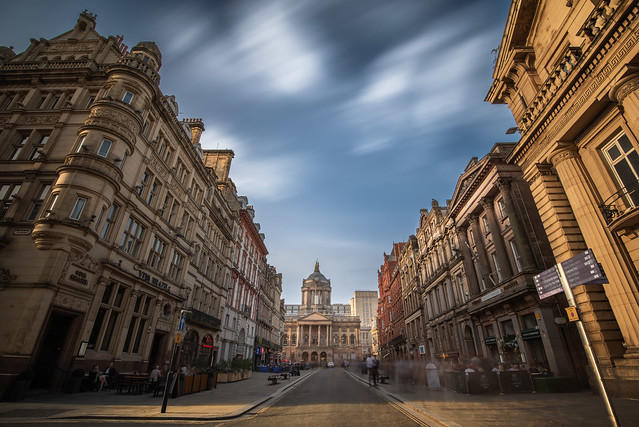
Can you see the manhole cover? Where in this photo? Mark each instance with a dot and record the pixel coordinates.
(32, 413)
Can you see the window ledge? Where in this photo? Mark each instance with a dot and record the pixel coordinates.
(626, 223)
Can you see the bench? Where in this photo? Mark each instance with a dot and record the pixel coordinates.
(383, 378)
(284, 375)
(273, 379)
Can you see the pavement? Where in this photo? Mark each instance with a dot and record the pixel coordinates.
(232, 400)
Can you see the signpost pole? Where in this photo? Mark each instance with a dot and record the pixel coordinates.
(588, 347)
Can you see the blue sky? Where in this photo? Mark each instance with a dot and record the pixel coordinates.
(346, 116)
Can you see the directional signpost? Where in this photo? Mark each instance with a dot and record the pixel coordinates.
(582, 269)
(172, 375)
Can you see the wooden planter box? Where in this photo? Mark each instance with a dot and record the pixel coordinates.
(203, 378)
(187, 387)
(222, 377)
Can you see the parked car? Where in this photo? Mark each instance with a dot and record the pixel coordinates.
(330, 365)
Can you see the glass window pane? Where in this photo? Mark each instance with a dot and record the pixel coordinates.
(104, 148)
(614, 152)
(97, 326)
(108, 333)
(625, 143)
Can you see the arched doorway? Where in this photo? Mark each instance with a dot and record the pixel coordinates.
(206, 350)
(323, 358)
(305, 356)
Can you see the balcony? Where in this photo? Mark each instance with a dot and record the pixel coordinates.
(203, 319)
(620, 210)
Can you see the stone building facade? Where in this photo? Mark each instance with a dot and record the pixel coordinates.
(364, 306)
(270, 320)
(316, 331)
(567, 72)
(110, 199)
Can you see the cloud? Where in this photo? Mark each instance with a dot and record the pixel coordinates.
(272, 178)
(265, 50)
(412, 91)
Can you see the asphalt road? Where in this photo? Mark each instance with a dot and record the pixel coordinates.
(330, 397)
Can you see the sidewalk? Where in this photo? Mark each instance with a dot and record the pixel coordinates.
(449, 408)
(227, 401)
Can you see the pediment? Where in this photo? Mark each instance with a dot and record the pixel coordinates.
(314, 317)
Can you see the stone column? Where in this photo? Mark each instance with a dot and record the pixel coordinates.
(519, 231)
(469, 265)
(609, 250)
(498, 241)
(480, 248)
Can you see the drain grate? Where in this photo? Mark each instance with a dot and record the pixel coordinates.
(32, 412)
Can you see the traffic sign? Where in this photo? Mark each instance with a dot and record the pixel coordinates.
(181, 324)
(178, 339)
(548, 283)
(572, 314)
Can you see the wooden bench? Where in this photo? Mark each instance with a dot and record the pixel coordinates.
(273, 379)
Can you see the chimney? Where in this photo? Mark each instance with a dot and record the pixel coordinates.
(219, 161)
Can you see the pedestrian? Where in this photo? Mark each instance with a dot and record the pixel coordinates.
(375, 369)
(470, 368)
(108, 377)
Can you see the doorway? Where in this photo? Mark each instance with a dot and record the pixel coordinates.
(158, 354)
(49, 365)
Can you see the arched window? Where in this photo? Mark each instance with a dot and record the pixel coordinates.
(344, 339)
(352, 339)
(285, 339)
(294, 339)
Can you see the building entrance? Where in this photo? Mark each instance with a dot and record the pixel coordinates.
(49, 365)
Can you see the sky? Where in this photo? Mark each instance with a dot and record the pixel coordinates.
(346, 116)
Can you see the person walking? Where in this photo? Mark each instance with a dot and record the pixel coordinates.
(374, 369)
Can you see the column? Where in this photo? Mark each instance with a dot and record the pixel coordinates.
(482, 261)
(469, 266)
(498, 241)
(608, 249)
(519, 231)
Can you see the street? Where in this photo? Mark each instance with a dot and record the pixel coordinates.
(329, 397)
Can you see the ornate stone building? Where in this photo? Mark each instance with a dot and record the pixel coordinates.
(270, 319)
(316, 331)
(123, 220)
(567, 72)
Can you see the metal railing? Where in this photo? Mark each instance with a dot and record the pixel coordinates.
(610, 209)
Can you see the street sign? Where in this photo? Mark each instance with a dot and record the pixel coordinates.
(178, 339)
(181, 324)
(583, 269)
(572, 314)
(548, 283)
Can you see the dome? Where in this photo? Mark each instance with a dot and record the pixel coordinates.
(317, 278)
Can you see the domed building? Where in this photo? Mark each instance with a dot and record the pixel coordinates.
(317, 331)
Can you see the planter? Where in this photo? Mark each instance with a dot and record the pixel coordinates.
(248, 374)
(222, 377)
(555, 384)
(211, 380)
(188, 384)
(203, 381)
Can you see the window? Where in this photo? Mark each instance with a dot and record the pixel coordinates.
(110, 219)
(38, 201)
(138, 324)
(484, 220)
(106, 320)
(132, 237)
(127, 98)
(54, 102)
(146, 178)
(502, 208)
(7, 193)
(82, 147)
(173, 212)
(104, 148)
(176, 265)
(18, 146)
(497, 268)
(37, 152)
(156, 253)
(153, 191)
(78, 207)
(122, 159)
(54, 200)
(90, 102)
(624, 160)
(513, 247)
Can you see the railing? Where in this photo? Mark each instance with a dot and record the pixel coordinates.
(609, 208)
(197, 316)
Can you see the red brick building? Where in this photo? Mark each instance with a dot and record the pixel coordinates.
(390, 312)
